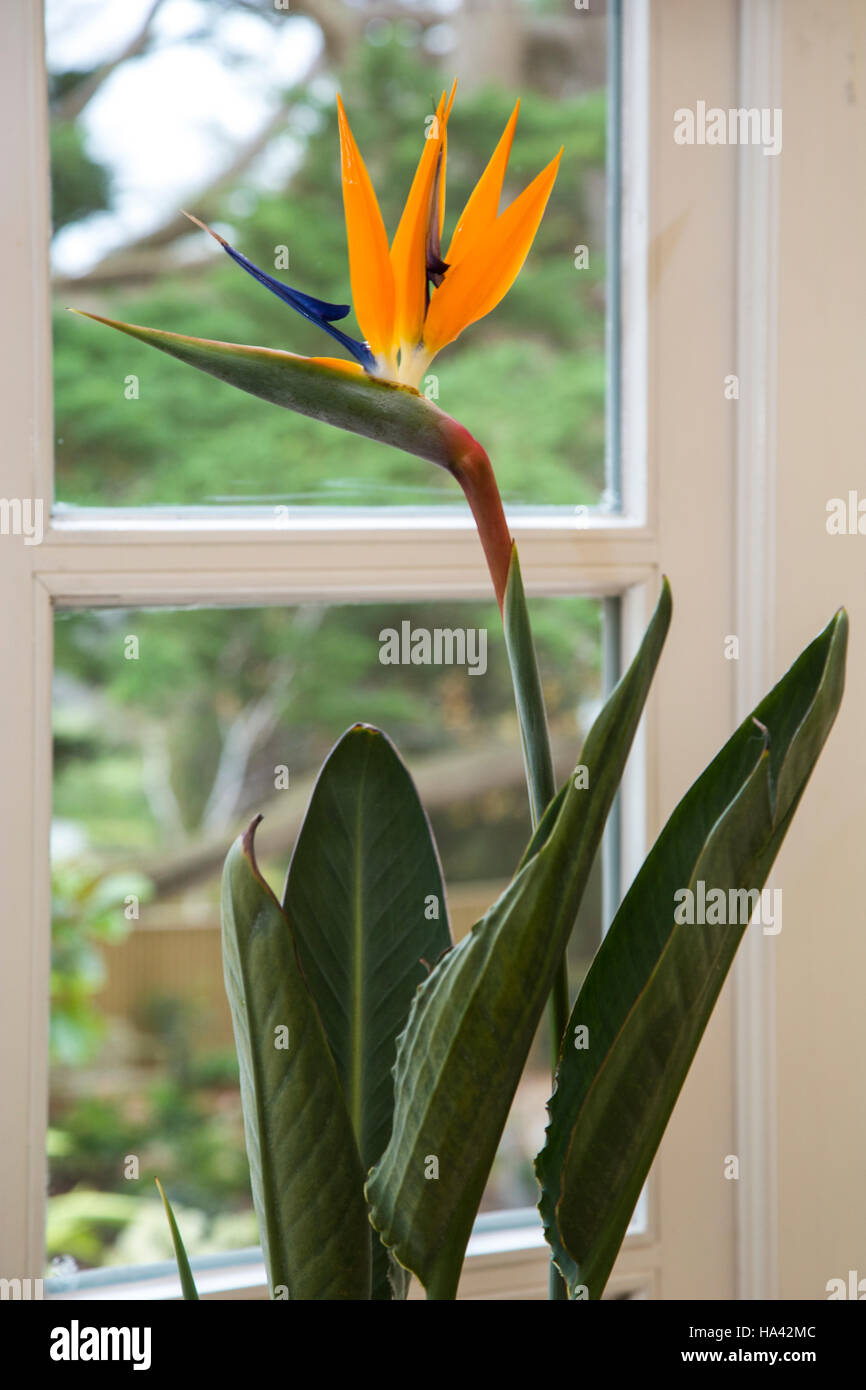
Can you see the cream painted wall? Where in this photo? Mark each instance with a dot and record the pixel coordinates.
(809, 1143)
(691, 307)
(821, 430)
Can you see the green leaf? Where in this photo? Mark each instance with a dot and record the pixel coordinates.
(187, 1283)
(535, 740)
(473, 1021)
(654, 982)
(528, 695)
(349, 399)
(306, 1174)
(364, 876)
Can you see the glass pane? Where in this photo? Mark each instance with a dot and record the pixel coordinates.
(229, 110)
(172, 728)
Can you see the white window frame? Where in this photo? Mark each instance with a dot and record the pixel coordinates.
(131, 561)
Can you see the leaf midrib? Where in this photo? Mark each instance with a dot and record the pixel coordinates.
(356, 1098)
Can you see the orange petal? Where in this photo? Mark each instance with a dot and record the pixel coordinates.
(409, 247)
(369, 262)
(445, 156)
(482, 208)
(338, 364)
(490, 266)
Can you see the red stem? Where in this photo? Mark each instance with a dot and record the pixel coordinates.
(474, 472)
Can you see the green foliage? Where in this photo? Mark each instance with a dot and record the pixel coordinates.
(528, 696)
(305, 1169)
(472, 1022)
(87, 912)
(654, 983)
(648, 995)
(220, 662)
(187, 1283)
(194, 1141)
(190, 1133)
(366, 903)
(82, 1225)
(79, 186)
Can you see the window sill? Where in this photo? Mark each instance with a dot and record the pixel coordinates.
(507, 1258)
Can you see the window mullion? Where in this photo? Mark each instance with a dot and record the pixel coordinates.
(140, 567)
(25, 639)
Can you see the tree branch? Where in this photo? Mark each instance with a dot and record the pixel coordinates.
(70, 106)
(156, 783)
(245, 733)
(137, 260)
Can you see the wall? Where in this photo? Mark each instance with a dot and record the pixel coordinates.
(821, 428)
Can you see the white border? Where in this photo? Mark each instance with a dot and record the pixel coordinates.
(635, 164)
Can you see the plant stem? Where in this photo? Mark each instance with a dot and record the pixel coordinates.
(532, 717)
(473, 470)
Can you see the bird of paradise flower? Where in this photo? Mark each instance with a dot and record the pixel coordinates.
(410, 301)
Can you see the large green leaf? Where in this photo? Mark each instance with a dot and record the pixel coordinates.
(473, 1021)
(338, 395)
(305, 1169)
(366, 902)
(654, 982)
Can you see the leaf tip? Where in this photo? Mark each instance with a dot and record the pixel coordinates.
(764, 731)
(204, 227)
(248, 840)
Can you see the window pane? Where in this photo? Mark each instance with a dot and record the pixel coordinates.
(230, 112)
(173, 728)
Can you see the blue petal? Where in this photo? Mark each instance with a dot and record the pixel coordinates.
(318, 311)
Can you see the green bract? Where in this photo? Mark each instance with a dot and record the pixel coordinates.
(333, 393)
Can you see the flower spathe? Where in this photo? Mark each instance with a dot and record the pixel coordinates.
(410, 300)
